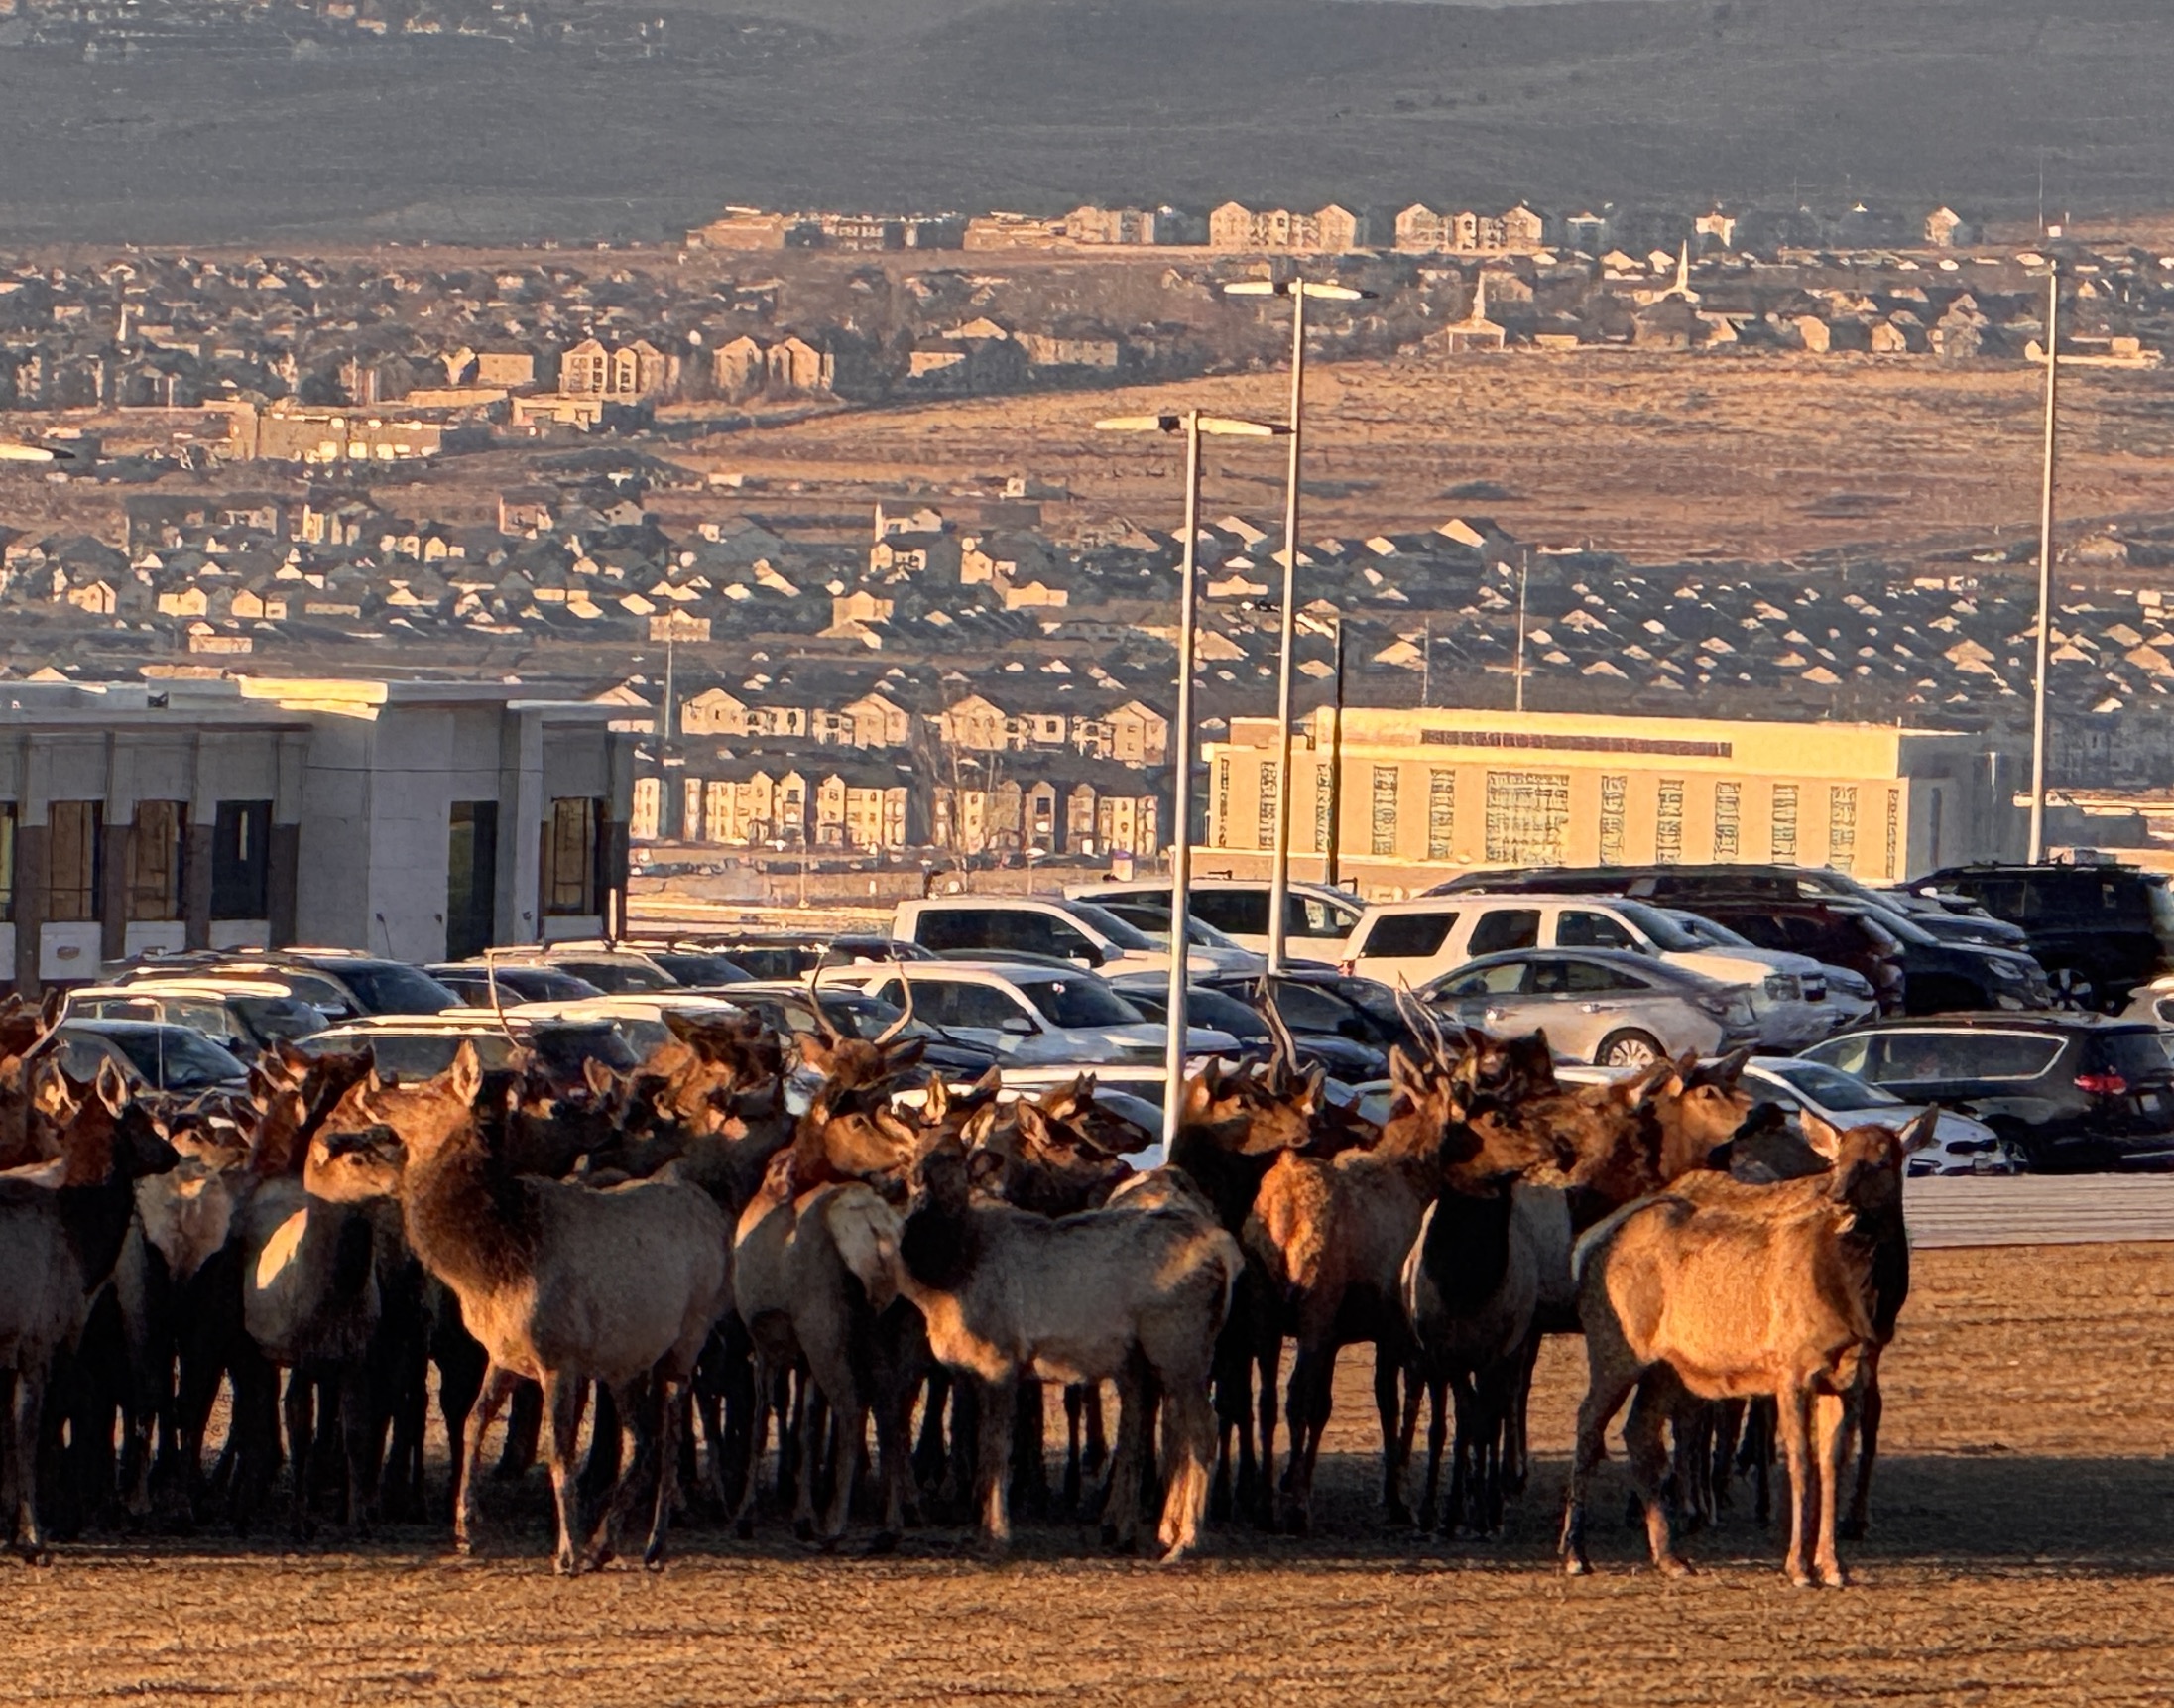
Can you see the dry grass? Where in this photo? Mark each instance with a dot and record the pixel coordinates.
(2022, 1555)
(1655, 456)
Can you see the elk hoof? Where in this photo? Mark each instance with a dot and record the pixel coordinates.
(1799, 1578)
(1575, 1565)
(654, 1558)
(1833, 1576)
(1669, 1566)
(1852, 1529)
(35, 1554)
(745, 1529)
(883, 1542)
(803, 1529)
(565, 1565)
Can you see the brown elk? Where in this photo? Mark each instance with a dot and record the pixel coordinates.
(561, 1284)
(1718, 1291)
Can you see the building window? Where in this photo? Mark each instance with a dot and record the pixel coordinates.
(71, 859)
(572, 852)
(1784, 825)
(1221, 836)
(1441, 814)
(1728, 819)
(1895, 830)
(7, 860)
(1324, 806)
(1384, 818)
(241, 860)
(1842, 827)
(1271, 785)
(1527, 812)
(1668, 822)
(155, 853)
(1614, 791)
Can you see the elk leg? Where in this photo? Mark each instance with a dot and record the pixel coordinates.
(1604, 1392)
(1121, 1501)
(671, 1397)
(1727, 1435)
(1791, 1406)
(849, 1435)
(1430, 1514)
(460, 1373)
(563, 1406)
(929, 1456)
(1458, 1514)
(359, 1440)
(1517, 1444)
(1098, 1439)
(1831, 1442)
(810, 1455)
(1389, 1370)
(1870, 1406)
(300, 1428)
(524, 1426)
(1075, 1401)
(600, 1471)
(1189, 1428)
(638, 1406)
(1645, 1448)
(999, 1406)
(1269, 1360)
(496, 1387)
(1308, 1411)
(27, 1417)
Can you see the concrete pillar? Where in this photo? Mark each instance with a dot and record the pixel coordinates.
(197, 883)
(29, 903)
(516, 909)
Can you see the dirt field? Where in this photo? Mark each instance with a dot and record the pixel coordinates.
(1652, 455)
(2021, 1553)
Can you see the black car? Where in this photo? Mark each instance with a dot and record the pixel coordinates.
(1691, 888)
(2074, 1093)
(472, 982)
(340, 982)
(152, 1058)
(2099, 929)
(786, 1007)
(1346, 1059)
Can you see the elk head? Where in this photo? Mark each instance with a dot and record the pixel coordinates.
(1867, 1162)
(427, 1117)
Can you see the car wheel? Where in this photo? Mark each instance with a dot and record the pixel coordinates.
(1627, 1049)
(2072, 988)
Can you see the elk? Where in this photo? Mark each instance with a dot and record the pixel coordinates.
(561, 1284)
(1717, 1290)
(61, 1229)
(1124, 1295)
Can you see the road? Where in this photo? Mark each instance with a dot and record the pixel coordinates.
(2039, 1210)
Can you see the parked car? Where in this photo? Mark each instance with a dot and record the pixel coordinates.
(1961, 1144)
(1319, 999)
(1076, 931)
(1787, 991)
(151, 1057)
(1150, 916)
(515, 983)
(794, 956)
(622, 967)
(405, 1049)
(2153, 1002)
(1317, 918)
(244, 1015)
(2071, 1092)
(1345, 1059)
(1850, 998)
(1603, 1006)
(1692, 886)
(340, 982)
(1912, 971)
(1030, 1013)
(2100, 930)
(786, 1006)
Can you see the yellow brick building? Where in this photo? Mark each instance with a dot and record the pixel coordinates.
(1419, 795)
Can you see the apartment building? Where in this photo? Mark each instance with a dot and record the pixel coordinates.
(1407, 797)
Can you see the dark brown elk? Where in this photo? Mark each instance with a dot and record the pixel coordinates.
(1718, 1291)
(61, 1228)
(561, 1284)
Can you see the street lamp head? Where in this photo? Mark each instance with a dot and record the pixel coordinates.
(1257, 287)
(1231, 428)
(1227, 426)
(1320, 292)
(1139, 424)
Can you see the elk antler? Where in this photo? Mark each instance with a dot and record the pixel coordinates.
(815, 1002)
(906, 1015)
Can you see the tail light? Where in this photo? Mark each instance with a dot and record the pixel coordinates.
(2106, 1084)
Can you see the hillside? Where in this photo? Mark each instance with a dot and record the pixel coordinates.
(1039, 103)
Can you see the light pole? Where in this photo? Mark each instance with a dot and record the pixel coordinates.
(2045, 578)
(1298, 290)
(1194, 425)
(1333, 625)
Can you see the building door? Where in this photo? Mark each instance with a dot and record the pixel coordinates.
(471, 878)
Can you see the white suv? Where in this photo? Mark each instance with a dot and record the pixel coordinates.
(1030, 1012)
(1046, 927)
(1317, 918)
(1416, 941)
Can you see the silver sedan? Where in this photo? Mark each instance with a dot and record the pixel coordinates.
(1603, 1006)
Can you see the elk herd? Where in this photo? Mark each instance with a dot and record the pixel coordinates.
(751, 1255)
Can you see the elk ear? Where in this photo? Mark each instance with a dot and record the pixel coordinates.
(1922, 1131)
(937, 1103)
(1730, 1068)
(1308, 1098)
(1820, 1134)
(1033, 1124)
(110, 1088)
(1199, 1095)
(597, 1077)
(49, 1011)
(49, 1093)
(466, 1076)
(979, 1126)
(813, 1052)
(1405, 1074)
(987, 1085)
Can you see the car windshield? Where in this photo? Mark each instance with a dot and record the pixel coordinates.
(174, 1058)
(1902, 927)
(1151, 917)
(691, 969)
(1661, 927)
(1712, 935)
(1117, 930)
(616, 978)
(273, 1017)
(1208, 1008)
(387, 987)
(869, 1016)
(1079, 1002)
(1830, 1088)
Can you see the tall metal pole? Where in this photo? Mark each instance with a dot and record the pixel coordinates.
(2045, 578)
(1525, 568)
(668, 808)
(1181, 852)
(1279, 879)
(1335, 761)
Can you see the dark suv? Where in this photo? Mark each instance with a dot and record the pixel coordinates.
(2074, 1093)
(1913, 971)
(2099, 930)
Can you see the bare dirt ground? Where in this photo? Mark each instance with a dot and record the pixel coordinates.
(2021, 1554)
(1655, 456)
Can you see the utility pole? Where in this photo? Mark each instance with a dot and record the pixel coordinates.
(2046, 575)
(667, 803)
(1335, 761)
(1525, 568)
(1194, 425)
(1298, 290)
